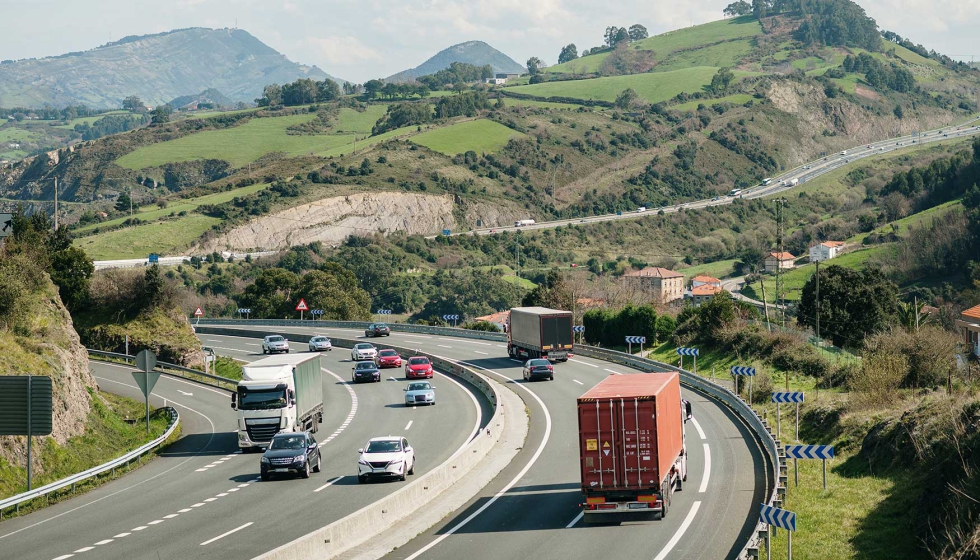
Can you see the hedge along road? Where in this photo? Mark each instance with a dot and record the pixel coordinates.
(203, 498)
(531, 508)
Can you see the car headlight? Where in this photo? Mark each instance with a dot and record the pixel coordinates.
(299, 459)
(264, 460)
(363, 462)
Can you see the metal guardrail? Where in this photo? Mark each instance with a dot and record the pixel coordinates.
(173, 369)
(395, 327)
(74, 479)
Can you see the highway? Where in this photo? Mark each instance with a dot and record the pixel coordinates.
(530, 510)
(778, 184)
(202, 497)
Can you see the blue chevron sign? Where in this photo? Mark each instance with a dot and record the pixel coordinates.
(787, 397)
(578, 328)
(636, 340)
(687, 351)
(743, 370)
(782, 518)
(809, 451)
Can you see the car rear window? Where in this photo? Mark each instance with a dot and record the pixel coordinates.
(539, 363)
(381, 326)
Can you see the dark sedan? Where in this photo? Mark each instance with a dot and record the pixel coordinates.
(538, 368)
(294, 452)
(365, 371)
(377, 329)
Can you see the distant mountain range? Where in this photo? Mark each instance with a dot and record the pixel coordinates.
(477, 53)
(157, 68)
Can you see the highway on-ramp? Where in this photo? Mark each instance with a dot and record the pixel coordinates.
(530, 510)
(202, 498)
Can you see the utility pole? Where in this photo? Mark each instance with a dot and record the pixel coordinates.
(780, 297)
(56, 204)
(818, 302)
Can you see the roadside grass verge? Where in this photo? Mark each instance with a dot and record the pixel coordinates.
(163, 238)
(115, 426)
(479, 135)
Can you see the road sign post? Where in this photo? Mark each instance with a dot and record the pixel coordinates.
(788, 397)
(452, 318)
(689, 352)
(822, 452)
(579, 329)
(146, 361)
(784, 519)
(6, 225)
(26, 410)
(631, 340)
(301, 307)
(198, 313)
(747, 371)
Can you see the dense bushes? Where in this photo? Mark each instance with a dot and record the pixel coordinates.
(464, 104)
(607, 327)
(403, 114)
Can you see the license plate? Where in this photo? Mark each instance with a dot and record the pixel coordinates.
(637, 506)
(280, 470)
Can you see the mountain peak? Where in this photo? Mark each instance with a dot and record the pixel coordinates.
(477, 53)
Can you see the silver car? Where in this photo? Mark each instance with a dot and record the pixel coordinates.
(420, 392)
(320, 343)
(274, 343)
(363, 351)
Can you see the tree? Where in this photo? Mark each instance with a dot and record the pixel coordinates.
(760, 8)
(616, 35)
(739, 8)
(123, 203)
(626, 98)
(637, 32)
(271, 96)
(554, 293)
(372, 87)
(853, 304)
(134, 104)
(327, 90)
(534, 65)
(721, 80)
(161, 114)
(899, 112)
(568, 52)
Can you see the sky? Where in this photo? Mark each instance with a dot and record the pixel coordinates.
(363, 39)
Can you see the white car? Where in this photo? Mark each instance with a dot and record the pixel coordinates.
(275, 343)
(363, 351)
(385, 457)
(320, 343)
(420, 392)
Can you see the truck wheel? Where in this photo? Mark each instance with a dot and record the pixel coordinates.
(679, 484)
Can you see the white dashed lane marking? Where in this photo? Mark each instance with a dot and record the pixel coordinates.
(223, 535)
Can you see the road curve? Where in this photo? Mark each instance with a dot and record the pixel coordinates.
(202, 498)
(530, 509)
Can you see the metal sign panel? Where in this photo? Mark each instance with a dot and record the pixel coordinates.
(15, 402)
(578, 328)
(450, 317)
(447, 232)
(301, 306)
(636, 340)
(6, 225)
(198, 312)
(146, 380)
(782, 518)
(809, 451)
(146, 360)
(787, 397)
(687, 351)
(743, 370)
(154, 258)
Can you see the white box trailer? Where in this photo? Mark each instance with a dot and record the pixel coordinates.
(278, 394)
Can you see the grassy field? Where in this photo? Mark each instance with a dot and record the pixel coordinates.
(723, 54)
(152, 212)
(11, 134)
(88, 120)
(510, 102)
(736, 99)
(350, 120)
(238, 145)
(653, 88)
(480, 135)
(717, 269)
(164, 238)
(365, 142)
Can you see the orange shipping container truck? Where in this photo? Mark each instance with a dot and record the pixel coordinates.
(631, 446)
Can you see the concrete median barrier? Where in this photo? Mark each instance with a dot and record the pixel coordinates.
(392, 521)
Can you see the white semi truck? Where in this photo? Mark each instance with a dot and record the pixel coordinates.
(278, 394)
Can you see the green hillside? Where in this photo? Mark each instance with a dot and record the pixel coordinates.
(653, 87)
(479, 136)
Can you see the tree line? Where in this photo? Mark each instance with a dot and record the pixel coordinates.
(878, 74)
(608, 327)
(300, 92)
(837, 23)
(612, 37)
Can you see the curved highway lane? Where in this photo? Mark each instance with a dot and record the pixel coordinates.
(531, 508)
(202, 498)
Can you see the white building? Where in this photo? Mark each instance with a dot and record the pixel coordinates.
(826, 251)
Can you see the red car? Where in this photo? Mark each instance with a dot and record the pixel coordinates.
(418, 366)
(389, 358)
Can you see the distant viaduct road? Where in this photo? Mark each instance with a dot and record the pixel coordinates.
(201, 488)
(530, 510)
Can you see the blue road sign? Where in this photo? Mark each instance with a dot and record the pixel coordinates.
(578, 328)
(809, 451)
(316, 312)
(245, 310)
(450, 317)
(782, 518)
(743, 370)
(787, 397)
(636, 340)
(446, 232)
(383, 312)
(154, 258)
(687, 351)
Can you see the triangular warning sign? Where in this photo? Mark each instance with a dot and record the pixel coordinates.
(605, 444)
(605, 448)
(198, 312)
(301, 306)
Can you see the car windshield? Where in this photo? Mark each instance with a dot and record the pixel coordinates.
(318, 339)
(388, 353)
(419, 361)
(365, 365)
(275, 339)
(363, 346)
(418, 386)
(261, 399)
(387, 446)
(538, 363)
(288, 442)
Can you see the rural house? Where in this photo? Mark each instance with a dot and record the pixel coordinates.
(704, 292)
(656, 284)
(781, 261)
(826, 251)
(969, 326)
(704, 280)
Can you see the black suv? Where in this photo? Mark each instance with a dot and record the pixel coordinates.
(377, 329)
(366, 371)
(293, 452)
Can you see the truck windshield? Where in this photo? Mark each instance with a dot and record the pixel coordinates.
(261, 399)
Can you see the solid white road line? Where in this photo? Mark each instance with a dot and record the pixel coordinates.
(707, 469)
(576, 520)
(680, 532)
(577, 381)
(518, 361)
(331, 483)
(409, 425)
(483, 353)
(223, 535)
(581, 362)
(444, 346)
(505, 489)
(698, 427)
